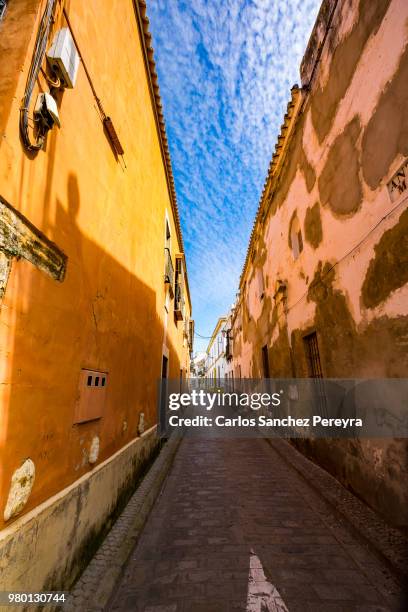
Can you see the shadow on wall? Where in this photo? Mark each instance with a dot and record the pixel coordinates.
(15, 34)
(102, 317)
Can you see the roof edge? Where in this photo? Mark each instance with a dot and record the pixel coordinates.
(140, 9)
(275, 166)
(220, 321)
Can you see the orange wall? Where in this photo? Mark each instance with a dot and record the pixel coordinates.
(109, 219)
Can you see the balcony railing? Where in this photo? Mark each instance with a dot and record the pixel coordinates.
(179, 304)
(228, 346)
(191, 335)
(169, 271)
(189, 332)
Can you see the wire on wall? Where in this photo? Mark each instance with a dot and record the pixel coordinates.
(37, 60)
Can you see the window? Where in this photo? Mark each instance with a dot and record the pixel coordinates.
(179, 303)
(168, 265)
(316, 372)
(313, 356)
(261, 285)
(168, 234)
(296, 240)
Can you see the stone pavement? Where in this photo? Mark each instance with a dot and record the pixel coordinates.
(237, 528)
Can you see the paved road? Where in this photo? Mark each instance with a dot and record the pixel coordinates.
(236, 528)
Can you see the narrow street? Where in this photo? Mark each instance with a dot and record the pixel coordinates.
(204, 305)
(237, 528)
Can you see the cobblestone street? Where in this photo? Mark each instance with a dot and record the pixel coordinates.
(237, 528)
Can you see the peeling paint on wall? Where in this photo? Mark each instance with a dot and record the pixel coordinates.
(94, 450)
(5, 267)
(141, 426)
(22, 483)
(19, 238)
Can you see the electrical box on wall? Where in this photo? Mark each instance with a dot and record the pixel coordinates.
(63, 57)
(91, 398)
(46, 111)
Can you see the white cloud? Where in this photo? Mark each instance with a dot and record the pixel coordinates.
(225, 72)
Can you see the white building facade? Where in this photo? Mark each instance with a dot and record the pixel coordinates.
(216, 363)
(219, 362)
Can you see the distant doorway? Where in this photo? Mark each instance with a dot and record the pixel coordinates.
(165, 367)
(162, 400)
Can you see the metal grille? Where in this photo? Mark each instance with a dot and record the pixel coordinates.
(312, 349)
(315, 371)
(3, 6)
(169, 270)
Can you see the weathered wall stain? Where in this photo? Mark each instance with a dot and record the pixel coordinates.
(343, 195)
(388, 126)
(325, 100)
(280, 356)
(355, 465)
(295, 159)
(75, 523)
(388, 270)
(351, 343)
(349, 351)
(19, 238)
(313, 225)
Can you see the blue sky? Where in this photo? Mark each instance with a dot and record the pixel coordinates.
(225, 72)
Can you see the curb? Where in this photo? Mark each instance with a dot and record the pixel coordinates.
(94, 588)
(387, 543)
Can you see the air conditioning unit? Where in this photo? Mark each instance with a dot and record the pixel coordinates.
(46, 111)
(63, 57)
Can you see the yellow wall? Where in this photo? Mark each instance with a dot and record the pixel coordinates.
(108, 313)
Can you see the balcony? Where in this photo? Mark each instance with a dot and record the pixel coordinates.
(191, 335)
(228, 346)
(179, 304)
(169, 272)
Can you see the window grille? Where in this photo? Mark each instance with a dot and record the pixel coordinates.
(312, 352)
(315, 371)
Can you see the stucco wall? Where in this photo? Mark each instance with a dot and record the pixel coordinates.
(349, 283)
(107, 215)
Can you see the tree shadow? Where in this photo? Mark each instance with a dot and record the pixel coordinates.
(101, 317)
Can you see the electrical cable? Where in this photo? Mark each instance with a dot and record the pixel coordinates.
(37, 59)
(320, 280)
(88, 76)
(51, 83)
